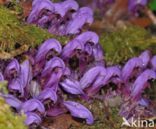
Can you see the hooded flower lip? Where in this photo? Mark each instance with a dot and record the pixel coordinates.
(32, 118)
(113, 71)
(64, 7)
(87, 79)
(12, 70)
(50, 44)
(12, 101)
(33, 105)
(134, 5)
(153, 63)
(145, 57)
(88, 36)
(130, 66)
(141, 83)
(71, 86)
(15, 85)
(52, 65)
(78, 110)
(71, 48)
(48, 94)
(37, 8)
(86, 16)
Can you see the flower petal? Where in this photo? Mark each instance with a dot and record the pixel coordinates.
(86, 16)
(48, 93)
(91, 75)
(141, 83)
(130, 66)
(71, 86)
(32, 105)
(50, 44)
(12, 70)
(12, 101)
(78, 110)
(32, 118)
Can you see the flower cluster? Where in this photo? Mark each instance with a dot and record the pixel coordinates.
(37, 85)
(60, 18)
(134, 6)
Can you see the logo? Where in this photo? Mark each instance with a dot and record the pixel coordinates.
(138, 123)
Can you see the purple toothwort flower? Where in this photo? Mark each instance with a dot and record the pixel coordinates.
(32, 118)
(72, 48)
(52, 65)
(78, 110)
(153, 63)
(63, 7)
(129, 68)
(48, 49)
(12, 70)
(50, 46)
(71, 86)
(87, 80)
(88, 36)
(86, 16)
(33, 105)
(38, 9)
(135, 5)
(48, 94)
(103, 79)
(16, 86)
(141, 83)
(12, 101)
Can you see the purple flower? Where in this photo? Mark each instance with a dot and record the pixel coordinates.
(88, 36)
(86, 16)
(38, 9)
(78, 110)
(48, 94)
(153, 63)
(33, 105)
(103, 79)
(141, 83)
(135, 5)
(71, 86)
(12, 70)
(32, 118)
(72, 48)
(91, 76)
(145, 57)
(63, 7)
(129, 68)
(12, 101)
(48, 49)
(52, 65)
(16, 86)
(50, 46)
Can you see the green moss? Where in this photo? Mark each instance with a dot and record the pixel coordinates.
(9, 120)
(123, 44)
(15, 34)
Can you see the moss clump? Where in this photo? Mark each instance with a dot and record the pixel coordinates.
(123, 44)
(9, 120)
(16, 37)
